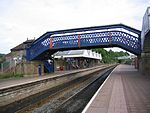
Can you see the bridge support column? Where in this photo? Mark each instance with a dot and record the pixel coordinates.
(145, 63)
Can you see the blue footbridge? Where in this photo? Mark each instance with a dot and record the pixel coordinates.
(117, 35)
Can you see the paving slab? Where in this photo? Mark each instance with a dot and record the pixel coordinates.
(125, 91)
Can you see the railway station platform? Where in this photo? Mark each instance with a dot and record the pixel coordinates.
(124, 91)
(12, 82)
(7, 83)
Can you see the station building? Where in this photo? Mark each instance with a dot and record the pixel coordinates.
(15, 61)
(76, 59)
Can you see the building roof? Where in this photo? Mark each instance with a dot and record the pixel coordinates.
(77, 53)
(22, 46)
(126, 57)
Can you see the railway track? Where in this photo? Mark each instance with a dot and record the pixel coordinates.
(77, 102)
(56, 98)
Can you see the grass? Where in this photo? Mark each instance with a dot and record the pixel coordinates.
(10, 75)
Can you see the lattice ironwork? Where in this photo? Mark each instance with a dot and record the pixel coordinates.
(122, 39)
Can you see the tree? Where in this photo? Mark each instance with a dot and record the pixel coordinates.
(110, 56)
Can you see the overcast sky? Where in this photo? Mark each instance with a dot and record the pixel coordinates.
(20, 19)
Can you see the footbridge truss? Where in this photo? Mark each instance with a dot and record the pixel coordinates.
(117, 35)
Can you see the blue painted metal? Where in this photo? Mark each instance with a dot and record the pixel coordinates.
(49, 66)
(119, 38)
(127, 38)
(37, 48)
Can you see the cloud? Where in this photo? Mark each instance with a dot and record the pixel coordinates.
(20, 19)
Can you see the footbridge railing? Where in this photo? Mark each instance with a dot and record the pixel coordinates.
(118, 35)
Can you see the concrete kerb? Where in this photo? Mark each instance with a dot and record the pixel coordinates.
(16, 86)
(93, 98)
(43, 85)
